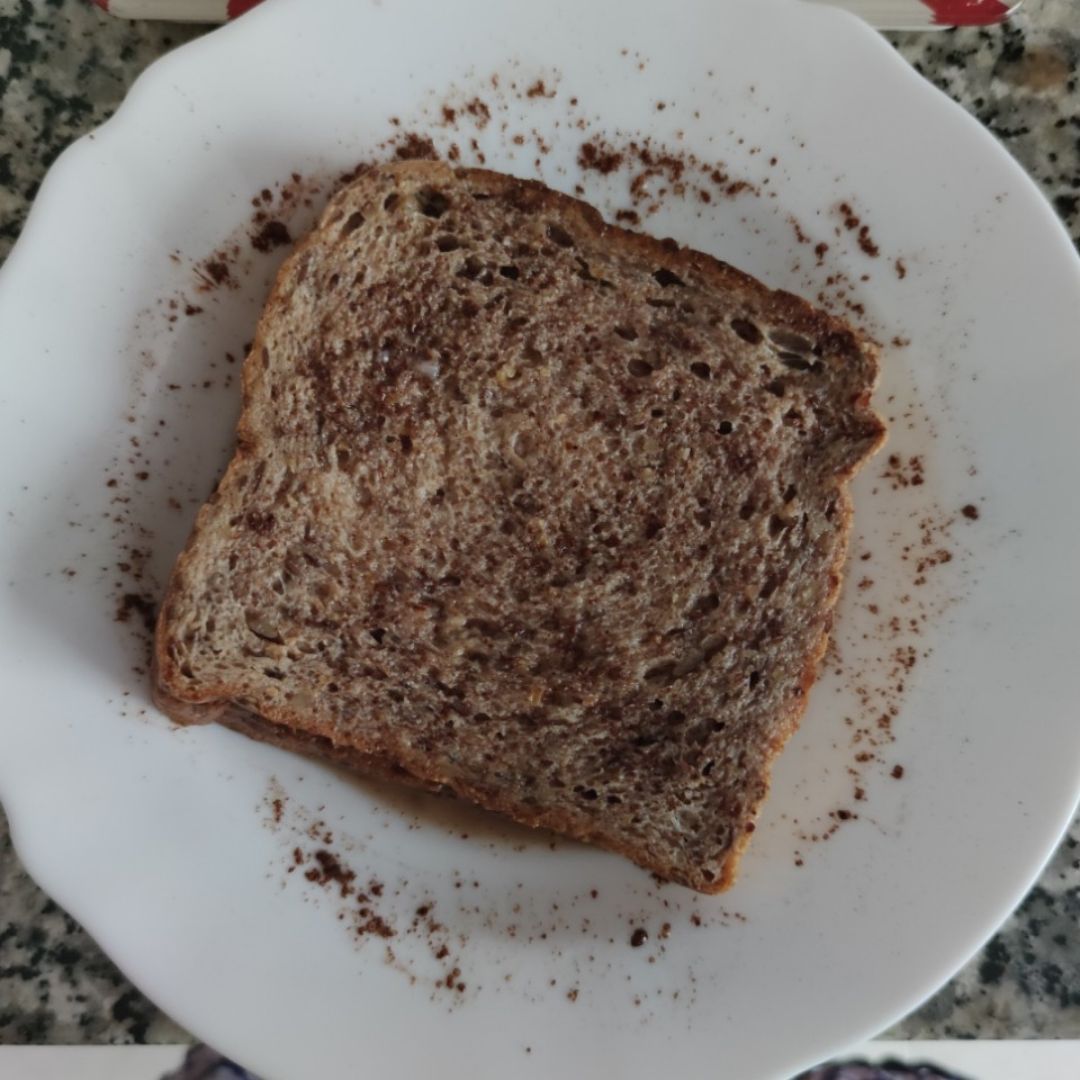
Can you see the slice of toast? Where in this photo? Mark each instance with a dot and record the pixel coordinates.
(529, 508)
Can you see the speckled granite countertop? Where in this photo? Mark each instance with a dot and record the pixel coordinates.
(65, 66)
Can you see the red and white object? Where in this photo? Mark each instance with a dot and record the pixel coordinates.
(195, 11)
(884, 14)
(928, 14)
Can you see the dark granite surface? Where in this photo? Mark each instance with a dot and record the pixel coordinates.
(64, 67)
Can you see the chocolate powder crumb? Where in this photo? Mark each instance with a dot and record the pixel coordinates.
(903, 474)
(639, 937)
(476, 150)
(330, 872)
(866, 243)
(598, 156)
(273, 234)
(897, 772)
(853, 222)
(479, 111)
(217, 271)
(377, 925)
(901, 269)
(415, 147)
(139, 605)
(213, 272)
(971, 512)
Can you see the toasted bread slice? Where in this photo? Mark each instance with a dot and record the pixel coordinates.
(543, 512)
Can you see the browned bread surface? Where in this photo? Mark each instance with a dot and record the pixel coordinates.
(530, 508)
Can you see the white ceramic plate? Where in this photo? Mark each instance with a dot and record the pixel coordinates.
(165, 842)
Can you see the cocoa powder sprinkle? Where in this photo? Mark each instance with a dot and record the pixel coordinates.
(273, 234)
